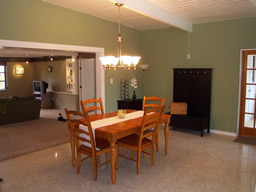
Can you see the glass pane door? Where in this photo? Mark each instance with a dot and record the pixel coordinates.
(248, 95)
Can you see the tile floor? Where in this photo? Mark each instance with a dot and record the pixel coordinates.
(194, 163)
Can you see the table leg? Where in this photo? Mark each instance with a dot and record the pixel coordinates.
(113, 162)
(166, 134)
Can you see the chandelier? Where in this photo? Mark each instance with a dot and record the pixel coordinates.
(119, 62)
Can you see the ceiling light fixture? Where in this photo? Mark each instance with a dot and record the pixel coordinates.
(27, 60)
(119, 62)
(51, 58)
(144, 67)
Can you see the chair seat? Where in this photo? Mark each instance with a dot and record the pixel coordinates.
(132, 140)
(101, 144)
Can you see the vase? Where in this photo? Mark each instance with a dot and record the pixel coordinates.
(134, 95)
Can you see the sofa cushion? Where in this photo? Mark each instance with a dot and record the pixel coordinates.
(26, 98)
(18, 109)
(4, 104)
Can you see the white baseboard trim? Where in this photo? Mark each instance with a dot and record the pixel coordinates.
(223, 132)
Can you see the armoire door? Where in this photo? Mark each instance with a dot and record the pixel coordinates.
(193, 86)
(247, 125)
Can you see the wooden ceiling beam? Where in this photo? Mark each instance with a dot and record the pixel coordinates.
(147, 9)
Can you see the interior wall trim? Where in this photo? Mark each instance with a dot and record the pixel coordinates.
(100, 76)
(223, 133)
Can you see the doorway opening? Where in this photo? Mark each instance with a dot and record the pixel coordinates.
(87, 77)
(98, 52)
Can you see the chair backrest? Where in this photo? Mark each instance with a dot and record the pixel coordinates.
(178, 108)
(83, 135)
(73, 116)
(152, 102)
(151, 119)
(97, 105)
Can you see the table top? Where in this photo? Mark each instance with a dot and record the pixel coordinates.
(119, 130)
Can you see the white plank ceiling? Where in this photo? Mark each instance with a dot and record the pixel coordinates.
(149, 14)
(190, 11)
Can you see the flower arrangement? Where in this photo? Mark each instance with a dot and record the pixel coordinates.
(134, 84)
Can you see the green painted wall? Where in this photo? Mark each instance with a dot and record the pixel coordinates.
(212, 45)
(56, 79)
(19, 85)
(37, 21)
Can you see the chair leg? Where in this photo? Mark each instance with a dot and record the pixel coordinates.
(78, 161)
(106, 154)
(72, 145)
(138, 162)
(156, 137)
(132, 154)
(152, 155)
(95, 167)
(98, 159)
(122, 151)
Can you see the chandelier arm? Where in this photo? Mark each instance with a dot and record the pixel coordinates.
(121, 62)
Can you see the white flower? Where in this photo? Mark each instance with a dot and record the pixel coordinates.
(134, 83)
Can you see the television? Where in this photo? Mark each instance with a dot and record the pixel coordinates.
(39, 87)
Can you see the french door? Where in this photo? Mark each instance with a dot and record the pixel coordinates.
(247, 125)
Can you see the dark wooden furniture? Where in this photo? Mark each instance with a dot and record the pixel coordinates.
(193, 86)
(119, 130)
(135, 104)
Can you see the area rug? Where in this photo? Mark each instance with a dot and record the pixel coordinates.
(26, 137)
(245, 140)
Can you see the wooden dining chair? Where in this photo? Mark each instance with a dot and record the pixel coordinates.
(151, 103)
(88, 145)
(92, 105)
(72, 116)
(145, 139)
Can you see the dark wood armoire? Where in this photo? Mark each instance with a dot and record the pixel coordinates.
(193, 86)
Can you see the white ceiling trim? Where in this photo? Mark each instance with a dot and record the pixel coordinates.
(35, 52)
(48, 46)
(254, 2)
(145, 8)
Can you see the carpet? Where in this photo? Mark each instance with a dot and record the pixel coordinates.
(245, 140)
(26, 137)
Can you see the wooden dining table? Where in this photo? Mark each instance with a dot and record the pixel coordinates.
(113, 132)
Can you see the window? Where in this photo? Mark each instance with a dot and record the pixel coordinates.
(3, 75)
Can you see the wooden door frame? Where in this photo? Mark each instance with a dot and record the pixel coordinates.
(242, 88)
